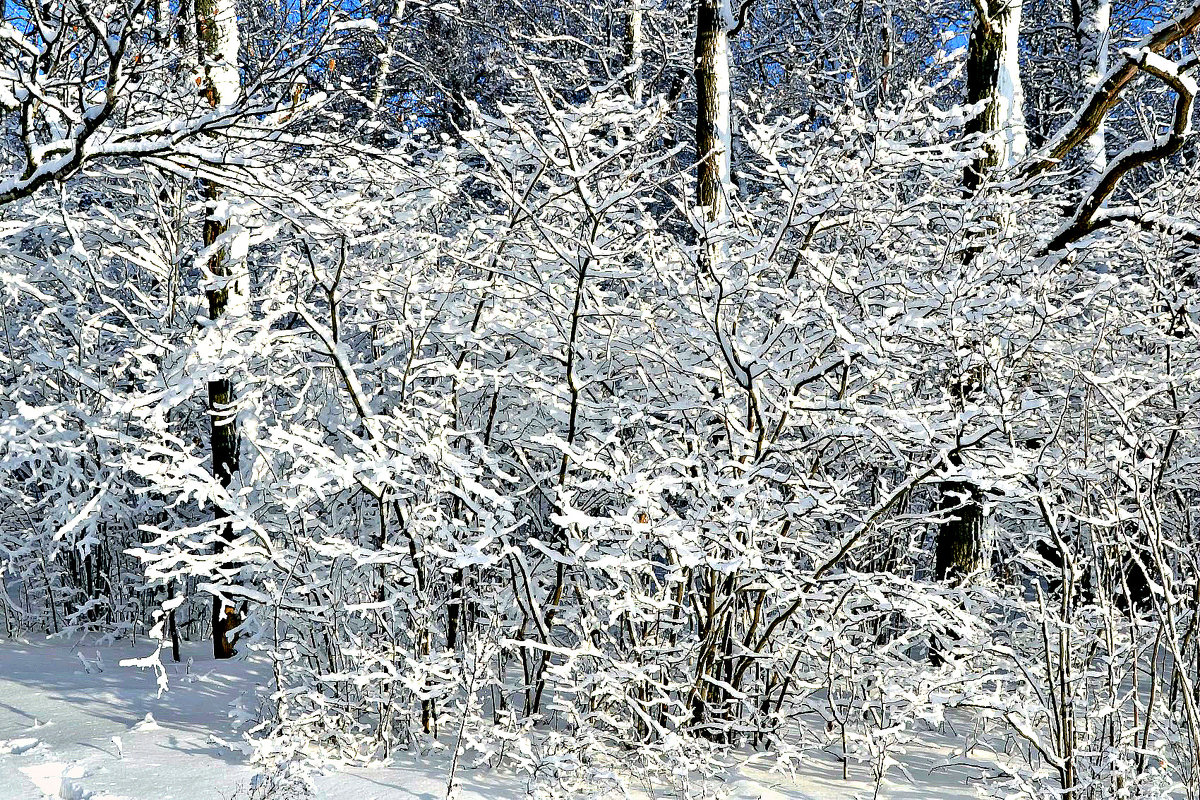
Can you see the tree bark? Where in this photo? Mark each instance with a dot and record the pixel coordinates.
(1089, 215)
(715, 22)
(634, 45)
(217, 39)
(994, 79)
(713, 93)
(1111, 88)
(1091, 37)
(960, 541)
(395, 15)
(162, 22)
(887, 50)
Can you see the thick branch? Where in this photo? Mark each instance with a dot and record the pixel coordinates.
(1086, 218)
(1106, 95)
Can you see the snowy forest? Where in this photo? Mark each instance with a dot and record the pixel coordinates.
(605, 397)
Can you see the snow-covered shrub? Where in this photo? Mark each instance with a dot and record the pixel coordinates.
(542, 468)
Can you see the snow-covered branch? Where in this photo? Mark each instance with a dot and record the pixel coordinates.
(1089, 215)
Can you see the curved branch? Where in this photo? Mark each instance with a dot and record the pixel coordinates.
(1087, 217)
(743, 15)
(1108, 93)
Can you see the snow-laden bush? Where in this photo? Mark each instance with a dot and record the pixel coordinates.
(529, 476)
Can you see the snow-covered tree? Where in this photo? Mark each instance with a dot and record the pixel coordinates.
(619, 388)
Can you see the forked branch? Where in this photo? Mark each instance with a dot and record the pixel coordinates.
(1108, 93)
(1089, 215)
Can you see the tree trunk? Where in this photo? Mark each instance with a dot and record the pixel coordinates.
(634, 45)
(1091, 36)
(714, 19)
(994, 79)
(887, 50)
(217, 37)
(162, 22)
(960, 540)
(185, 35)
(384, 73)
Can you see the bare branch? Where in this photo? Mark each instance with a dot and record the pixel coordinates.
(1087, 217)
(743, 15)
(1108, 93)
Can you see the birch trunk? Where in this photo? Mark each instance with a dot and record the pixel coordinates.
(387, 56)
(1091, 35)
(217, 40)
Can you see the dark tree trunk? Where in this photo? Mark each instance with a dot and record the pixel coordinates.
(992, 80)
(960, 539)
(712, 107)
(223, 433)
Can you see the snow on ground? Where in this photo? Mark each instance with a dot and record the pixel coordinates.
(76, 726)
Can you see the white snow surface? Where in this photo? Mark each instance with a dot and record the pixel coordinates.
(59, 726)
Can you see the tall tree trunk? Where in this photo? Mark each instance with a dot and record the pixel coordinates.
(1091, 35)
(185, 33)
(384, 72)
(634, 45)
(887, 49)
(714, 20)
(994, 79)
(217, 38)
(162, 22)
